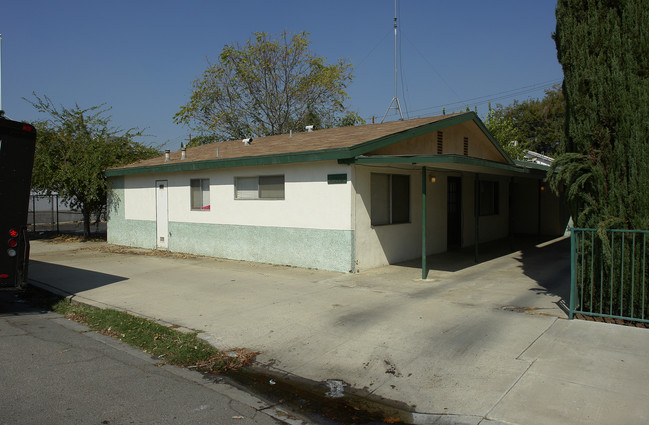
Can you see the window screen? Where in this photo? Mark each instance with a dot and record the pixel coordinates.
(259, 187)
(246, 188)
(271, 187)
(400, 198)
(200, 194)
(390, 198)
(380, 199)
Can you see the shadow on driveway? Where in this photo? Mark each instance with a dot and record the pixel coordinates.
(70, 280)
(546, 261)
(549, 265)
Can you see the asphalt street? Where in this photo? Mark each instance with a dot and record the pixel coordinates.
(56, 371)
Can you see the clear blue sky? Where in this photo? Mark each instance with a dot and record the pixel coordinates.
(140, 57)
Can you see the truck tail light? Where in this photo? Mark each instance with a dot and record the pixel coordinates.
(12, 242)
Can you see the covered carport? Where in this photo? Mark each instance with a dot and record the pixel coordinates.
(482, 178)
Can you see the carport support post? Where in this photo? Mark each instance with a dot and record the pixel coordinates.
(476, 202)
(424, 272)
(538, 215)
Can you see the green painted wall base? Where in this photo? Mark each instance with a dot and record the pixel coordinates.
(310, 248)
(137, 233)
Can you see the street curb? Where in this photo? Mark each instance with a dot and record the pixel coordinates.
(274, 411)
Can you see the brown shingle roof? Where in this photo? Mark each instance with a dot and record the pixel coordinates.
(319, 140)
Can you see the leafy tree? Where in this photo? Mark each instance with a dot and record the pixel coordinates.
(602, 47)
(349, 119)
(538, 124)
(73, 148)
(502, 128)
(269, 85)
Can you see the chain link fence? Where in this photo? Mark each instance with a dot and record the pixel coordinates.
(47, 213)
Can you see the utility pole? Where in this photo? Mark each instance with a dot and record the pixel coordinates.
(395, 99)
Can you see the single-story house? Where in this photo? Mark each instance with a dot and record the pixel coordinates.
(343, 199)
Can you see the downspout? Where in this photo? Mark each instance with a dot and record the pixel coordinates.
(476, 202)
(424, 271)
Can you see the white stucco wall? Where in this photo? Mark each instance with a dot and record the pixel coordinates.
(387, 244)
(310, 202)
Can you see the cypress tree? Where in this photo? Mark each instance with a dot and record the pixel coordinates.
(603, 47)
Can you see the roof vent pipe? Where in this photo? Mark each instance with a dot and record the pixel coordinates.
(309, 128)
(247, 141)
(167, 155)
(183, 153)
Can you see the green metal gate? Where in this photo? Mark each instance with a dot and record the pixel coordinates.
(608, 275)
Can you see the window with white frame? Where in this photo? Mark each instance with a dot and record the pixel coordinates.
(390, 198)
(259, 187)
(200, 194)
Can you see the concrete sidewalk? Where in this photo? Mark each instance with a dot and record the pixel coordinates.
(481, 344)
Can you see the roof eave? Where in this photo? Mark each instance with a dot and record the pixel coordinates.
(285, 158)
(434, 159)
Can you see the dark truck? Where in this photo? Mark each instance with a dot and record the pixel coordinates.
(17, 145)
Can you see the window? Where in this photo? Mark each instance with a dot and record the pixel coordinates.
(489, 198)
(260, 187)
(200, 194)
(390, 201)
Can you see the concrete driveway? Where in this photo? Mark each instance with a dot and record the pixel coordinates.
(471, 344)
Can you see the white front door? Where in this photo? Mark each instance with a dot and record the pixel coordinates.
(162, 219)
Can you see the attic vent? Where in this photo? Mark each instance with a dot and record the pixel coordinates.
(440, 142)
(466, 146)
(309, 128)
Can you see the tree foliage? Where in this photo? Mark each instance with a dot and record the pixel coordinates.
(270, 85)
(502, 128)
(536, 124)
(602, 46)
(73, 148)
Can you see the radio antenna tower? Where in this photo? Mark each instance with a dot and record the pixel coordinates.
(395, 99)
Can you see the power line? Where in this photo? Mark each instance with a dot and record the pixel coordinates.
(430, 64)
(481, 100)
(387, 33)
